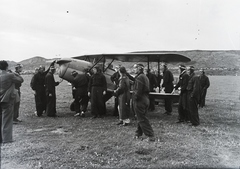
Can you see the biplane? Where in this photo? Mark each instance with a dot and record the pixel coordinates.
(105, 61)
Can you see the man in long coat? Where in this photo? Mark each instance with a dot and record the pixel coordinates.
(141, 103)
(204, 84)
(8, 95)
(123, 95)
(97, 88)
(193, 89)
(50, 85)
(183, 99)
(38, 86)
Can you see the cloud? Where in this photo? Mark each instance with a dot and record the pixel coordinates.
(69, 28)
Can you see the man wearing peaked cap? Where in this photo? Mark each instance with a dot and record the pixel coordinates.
(183, 67)
(183, 99)
(141, 103)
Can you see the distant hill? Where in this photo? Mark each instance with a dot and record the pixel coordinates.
(218, 62)
(29, 65)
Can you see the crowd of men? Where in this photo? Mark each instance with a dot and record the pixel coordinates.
(92, 86)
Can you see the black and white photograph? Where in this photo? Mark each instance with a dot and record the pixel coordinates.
(119, 84)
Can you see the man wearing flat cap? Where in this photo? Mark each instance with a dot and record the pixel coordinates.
(183, 114)
(50, 85)
(204, 84)
(193, 89)
(140, 99)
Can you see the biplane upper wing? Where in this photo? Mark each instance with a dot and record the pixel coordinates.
(137, 57)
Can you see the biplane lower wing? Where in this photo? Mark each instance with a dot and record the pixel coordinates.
(164, 95)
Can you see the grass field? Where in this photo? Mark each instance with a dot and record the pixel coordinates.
(68, 142)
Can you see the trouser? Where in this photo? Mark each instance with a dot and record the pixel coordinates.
(81, 103)
(40, 101)
(168, 101)
(98, 107)
(193, 109)
(152, 103)
(51, 105)
(203, 97)
(16, 108)
(141, 108)
(183, 114)
(116, 112)
(168, 105)
(182, 107)
(6, 121)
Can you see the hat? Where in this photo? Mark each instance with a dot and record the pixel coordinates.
(182, 66)
(52, 68)
(19, 66)
(122, 70)
(74, 73)
(138, 65)
(164, 64)
(191, 68)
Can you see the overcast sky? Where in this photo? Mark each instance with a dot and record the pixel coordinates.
(66, 28)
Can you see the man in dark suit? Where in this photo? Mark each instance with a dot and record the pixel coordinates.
(167, 87)
(97, 88)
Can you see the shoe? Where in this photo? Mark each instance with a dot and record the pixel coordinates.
(52, 115)
(180, 121)
(121, 122)
(100, 116)
(94, 117)
(35, 113)
(125, 124)
(77, 114)
(168, 113)
(82, 114)
(137, 137)
(17, 120)
(151, 139)
(194, 125)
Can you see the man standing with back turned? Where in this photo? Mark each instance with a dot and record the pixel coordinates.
(141, 103)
